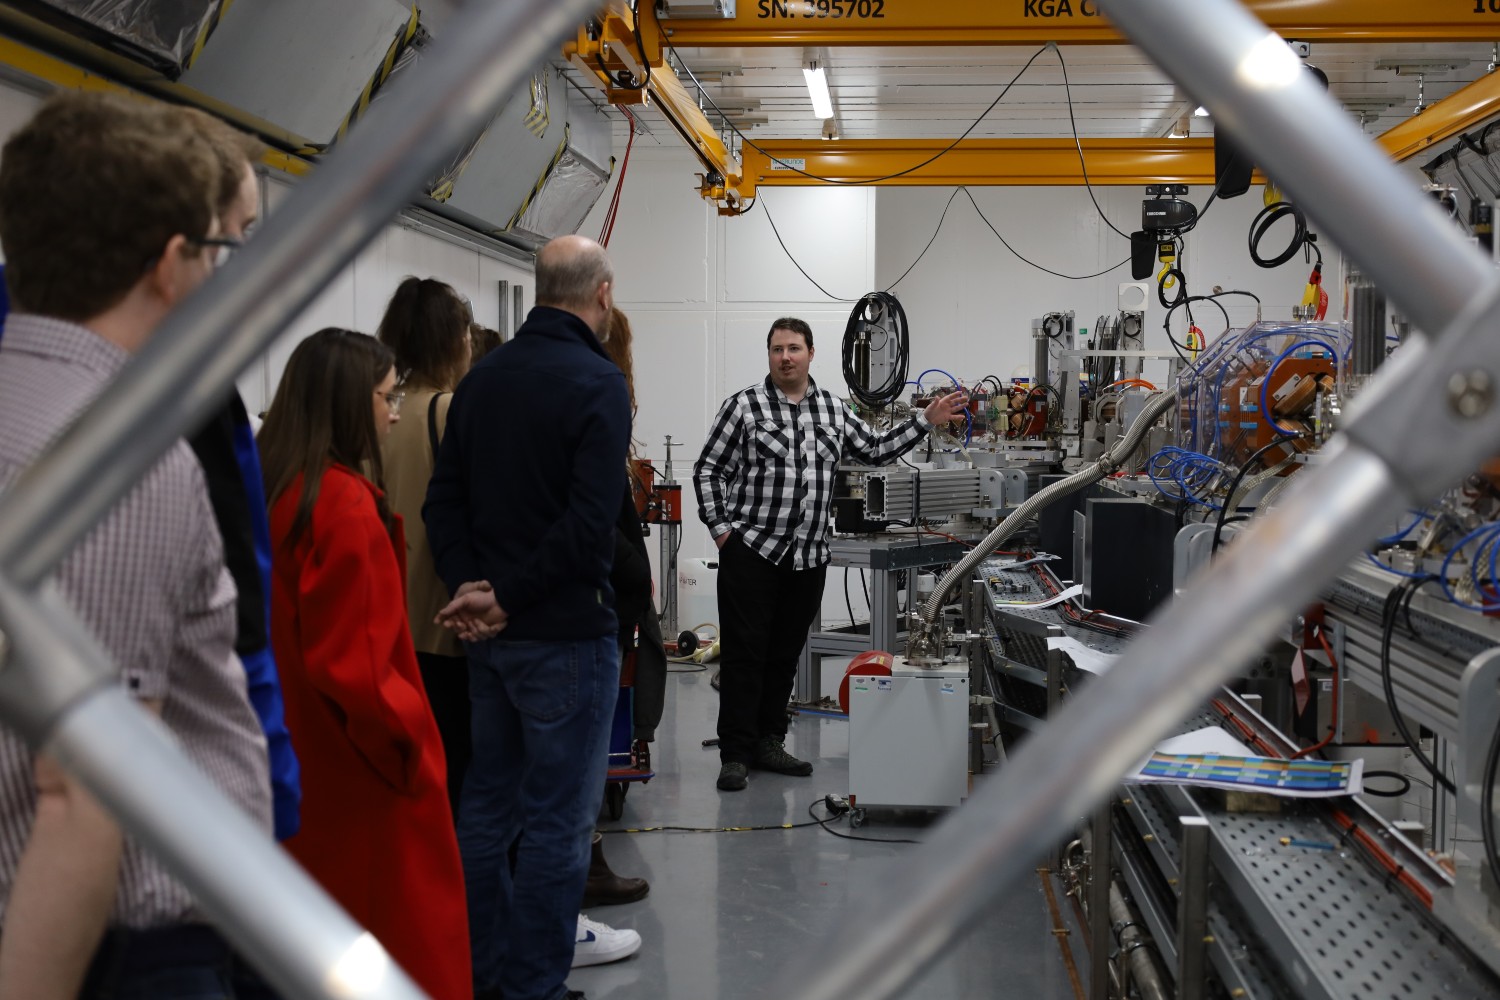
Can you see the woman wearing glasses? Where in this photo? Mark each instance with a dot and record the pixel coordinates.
(376, 830)
(426, 326)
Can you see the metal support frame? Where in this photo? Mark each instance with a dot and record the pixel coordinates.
(1475, 898)
(1254, 86)
(56, 685)
(883, 557)
(1101, 874)
(624, 44)
(1192, 910)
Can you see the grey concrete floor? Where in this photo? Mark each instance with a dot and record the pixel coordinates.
(726, 910)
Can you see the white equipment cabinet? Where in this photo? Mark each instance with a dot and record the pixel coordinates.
(908, 737)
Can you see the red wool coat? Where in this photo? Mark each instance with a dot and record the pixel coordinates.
(376, 830)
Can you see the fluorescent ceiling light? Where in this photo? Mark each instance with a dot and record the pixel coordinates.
(817, 88)
(1200, 112)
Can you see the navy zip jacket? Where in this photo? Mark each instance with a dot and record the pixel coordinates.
(528, 480)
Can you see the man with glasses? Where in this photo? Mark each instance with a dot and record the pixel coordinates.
(225, 447)
(106, 218)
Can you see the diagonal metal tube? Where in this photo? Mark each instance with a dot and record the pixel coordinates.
(275, 914)
(55, 685)
(1276, 567)
(190, 364)
(1256, 89)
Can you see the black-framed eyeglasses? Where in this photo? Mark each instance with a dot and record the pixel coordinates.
(392, 399)
(222, 246)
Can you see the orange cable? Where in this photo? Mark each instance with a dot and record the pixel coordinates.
(1333, 715)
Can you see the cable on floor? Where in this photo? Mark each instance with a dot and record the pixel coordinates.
(815, 820)
(710, 829)
(836, 815)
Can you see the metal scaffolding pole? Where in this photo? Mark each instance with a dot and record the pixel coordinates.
(1277, 566)
(56, 685)
(189, 366)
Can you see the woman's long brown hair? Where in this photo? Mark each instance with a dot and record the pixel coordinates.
(618, 347)
(324, 413)
(426, 324)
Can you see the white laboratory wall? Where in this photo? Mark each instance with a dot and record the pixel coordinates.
(970, 301)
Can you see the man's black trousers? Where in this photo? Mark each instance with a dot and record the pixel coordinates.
(765, 611)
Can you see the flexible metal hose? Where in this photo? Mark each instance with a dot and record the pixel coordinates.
(1091, 473)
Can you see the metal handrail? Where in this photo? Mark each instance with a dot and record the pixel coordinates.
(56, 685)
(1443, 388)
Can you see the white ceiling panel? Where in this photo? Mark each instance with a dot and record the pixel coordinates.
(939, 92)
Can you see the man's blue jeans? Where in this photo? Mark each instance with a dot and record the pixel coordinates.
(541, 720)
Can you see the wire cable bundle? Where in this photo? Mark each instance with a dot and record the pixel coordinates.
(614, 203)
(1482, 582)
(876, 313)
(1269, 216)
(1191, 472)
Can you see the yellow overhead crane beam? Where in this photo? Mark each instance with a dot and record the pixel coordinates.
(1037, 162)
(1069, 22)
(617, 58)
(611, 54)
(1453, 115)
(1045, 162)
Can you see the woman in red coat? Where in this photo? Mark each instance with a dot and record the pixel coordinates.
(376, 829)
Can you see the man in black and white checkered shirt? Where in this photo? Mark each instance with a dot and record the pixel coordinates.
(765, 489)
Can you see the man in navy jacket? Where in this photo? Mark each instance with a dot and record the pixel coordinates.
(521, 516)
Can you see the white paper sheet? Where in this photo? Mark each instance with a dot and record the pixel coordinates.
(1084, 657)
(1066, 595)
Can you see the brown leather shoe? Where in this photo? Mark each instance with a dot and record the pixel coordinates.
(604, 887)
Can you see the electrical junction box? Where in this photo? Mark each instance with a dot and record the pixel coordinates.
(908, 737)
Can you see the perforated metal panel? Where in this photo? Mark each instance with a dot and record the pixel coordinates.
(1238, 960)
(1329, 923)
(1345, 931)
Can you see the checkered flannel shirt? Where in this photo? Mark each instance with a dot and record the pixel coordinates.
(767, 469)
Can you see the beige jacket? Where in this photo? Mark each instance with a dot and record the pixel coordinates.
(407, 455)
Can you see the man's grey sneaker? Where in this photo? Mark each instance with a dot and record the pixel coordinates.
(599, 943)
(732, 777)
(771, 755)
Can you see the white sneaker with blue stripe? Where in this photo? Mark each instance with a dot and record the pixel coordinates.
(599, 943)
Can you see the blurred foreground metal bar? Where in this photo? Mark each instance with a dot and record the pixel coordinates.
(56, 686)
(191, 363)
(1258, 90)
(278, 917)
(1277, 566)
